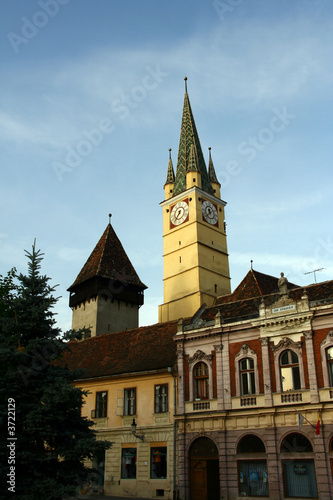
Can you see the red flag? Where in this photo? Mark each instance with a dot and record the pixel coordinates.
(318, 426)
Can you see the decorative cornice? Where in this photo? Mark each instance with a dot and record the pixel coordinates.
(264, 341)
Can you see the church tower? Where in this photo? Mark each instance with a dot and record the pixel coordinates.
(107, 293)
(195, 256)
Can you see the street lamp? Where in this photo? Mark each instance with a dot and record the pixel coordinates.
(133, 428)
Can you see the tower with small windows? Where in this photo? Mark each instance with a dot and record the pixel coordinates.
(195, 256)
(107, 293)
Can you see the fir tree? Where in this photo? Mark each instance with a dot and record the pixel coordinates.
(52, 440)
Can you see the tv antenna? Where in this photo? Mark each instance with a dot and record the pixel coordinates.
(314, 272)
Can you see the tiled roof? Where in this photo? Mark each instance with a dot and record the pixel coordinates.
(142, 349)
(189, 136)
(211, 170)
(170, 174)
(244, 302)
(108, 260)
(255, 284)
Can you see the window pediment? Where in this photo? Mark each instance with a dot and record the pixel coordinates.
(200, 356)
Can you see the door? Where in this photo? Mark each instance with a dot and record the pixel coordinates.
(198, 479)
(204, 470)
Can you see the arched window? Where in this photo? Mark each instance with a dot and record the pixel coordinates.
(289, 368)
(299, 471)
(247, 378)
(201, 377)
(253, 477)
(329, 358)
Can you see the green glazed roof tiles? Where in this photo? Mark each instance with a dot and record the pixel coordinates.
(211, 170)
(189, 136)
(171, 174)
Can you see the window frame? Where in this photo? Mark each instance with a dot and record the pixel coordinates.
(158, 398)
(128, 408)
(293, 367)
(163, 451)
(196, 358)
(198, 378)
(324, 346)
(101, 405)
(130, 454)
(246, 352)
(288, 344)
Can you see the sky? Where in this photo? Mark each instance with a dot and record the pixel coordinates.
(91, 98)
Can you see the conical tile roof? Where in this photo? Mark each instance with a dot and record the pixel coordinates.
(108, 260)
(189, 137)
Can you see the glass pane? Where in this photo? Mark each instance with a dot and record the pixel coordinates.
(329, 353)
(330, 373)
(252, 383)
(287, 379)
(284, 359)
(128, 463)
(253, 479)
(294, 357)
(158, 463)
(296, 378)
(300, 479)
(245, 387)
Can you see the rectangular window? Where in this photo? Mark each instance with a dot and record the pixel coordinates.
(158, 462)
(101, 404)
(129, 401)
(128, 463)
(161, 398)
(253, 479)
(300, 479)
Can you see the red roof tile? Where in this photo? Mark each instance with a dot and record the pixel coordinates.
(138, 350)
(108, 260)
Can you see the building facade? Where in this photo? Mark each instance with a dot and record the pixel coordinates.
(255, 408)
(230, 395)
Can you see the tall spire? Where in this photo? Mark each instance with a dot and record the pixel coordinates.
(189, 136)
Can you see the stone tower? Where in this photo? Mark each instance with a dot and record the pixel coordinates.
(195, 256)
(107, 293)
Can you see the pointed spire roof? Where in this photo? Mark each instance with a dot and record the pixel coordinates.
(108, 260)
(189, 136)
(171, 173)
(211, 170)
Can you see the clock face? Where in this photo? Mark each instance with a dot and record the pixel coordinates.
(209, 212)
(179, 213)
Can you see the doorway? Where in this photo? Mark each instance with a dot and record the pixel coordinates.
(204, 470)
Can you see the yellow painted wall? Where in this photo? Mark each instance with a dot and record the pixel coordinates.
(195, 258)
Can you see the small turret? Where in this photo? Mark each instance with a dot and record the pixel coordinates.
(193, 174)
(170, 180)
(212, 177)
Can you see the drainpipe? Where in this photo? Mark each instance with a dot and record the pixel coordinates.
(174, 431)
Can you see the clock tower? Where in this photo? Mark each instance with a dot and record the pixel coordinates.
(195, 256)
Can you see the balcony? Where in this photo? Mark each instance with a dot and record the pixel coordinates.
(201, 405)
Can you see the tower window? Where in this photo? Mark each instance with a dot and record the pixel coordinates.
(193, 180)
(180, 259)
(180, 242)
(215, 288)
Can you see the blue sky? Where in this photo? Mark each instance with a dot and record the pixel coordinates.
(91, 100)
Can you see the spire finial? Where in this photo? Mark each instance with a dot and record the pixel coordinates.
(209, 149)
(251, 264)
(185, 78)
(110, 215)
(170, 153)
